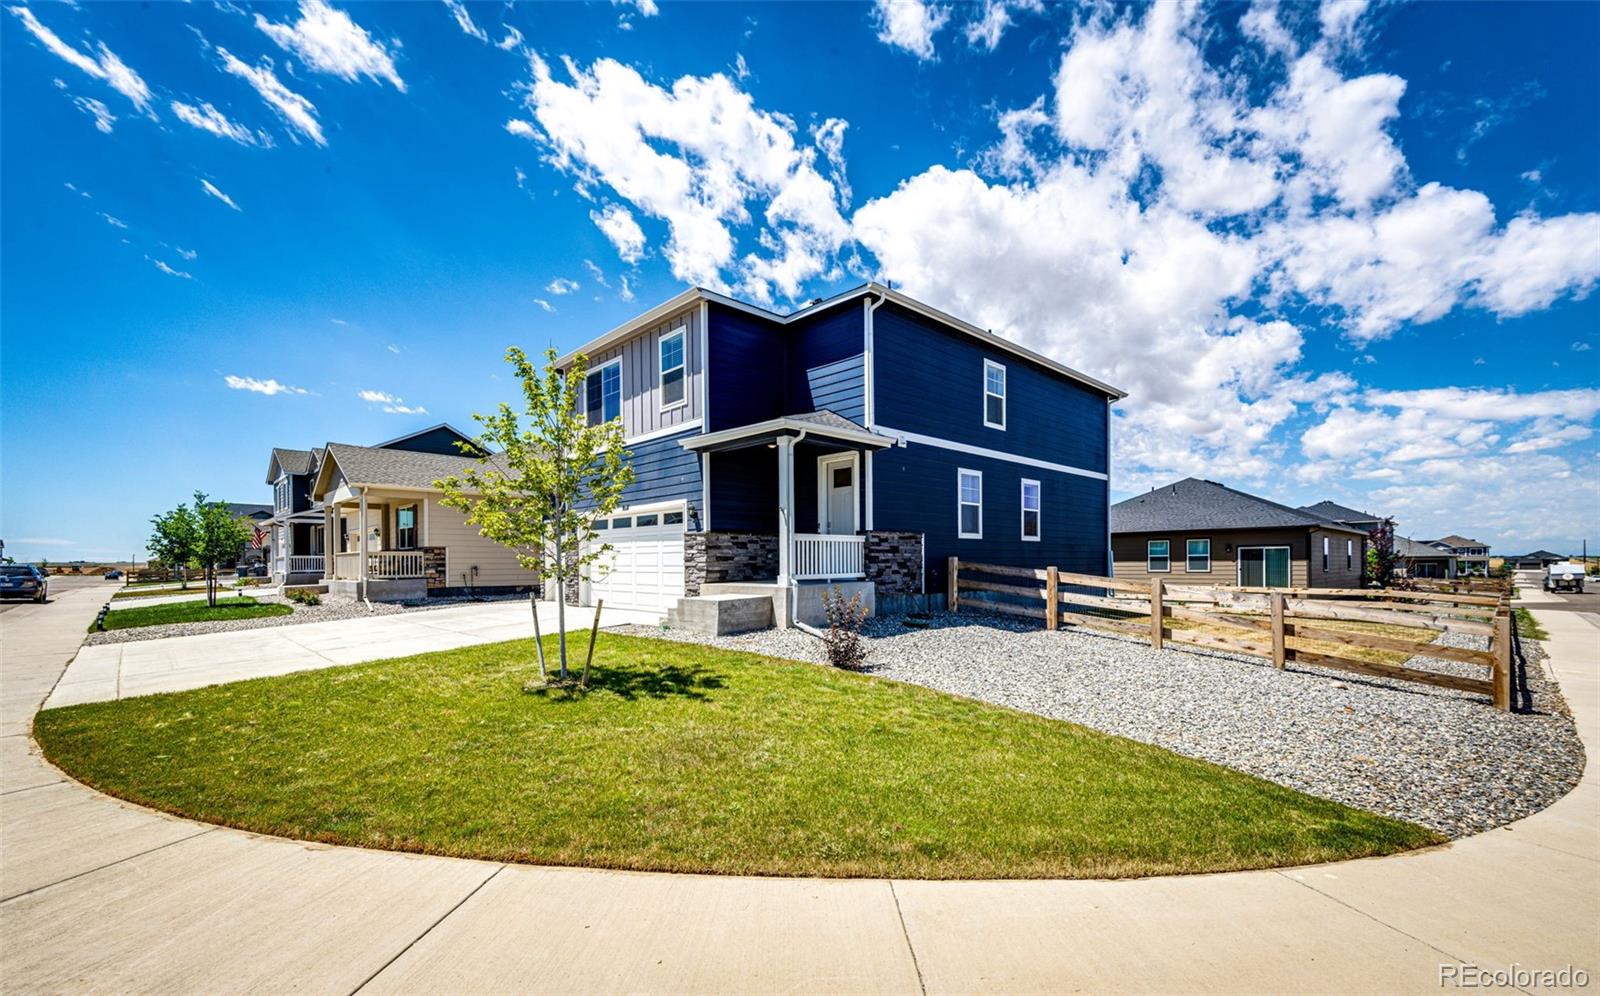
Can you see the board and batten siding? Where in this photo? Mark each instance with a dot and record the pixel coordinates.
(641, 375)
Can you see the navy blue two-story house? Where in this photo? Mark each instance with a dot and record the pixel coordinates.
(859, 441)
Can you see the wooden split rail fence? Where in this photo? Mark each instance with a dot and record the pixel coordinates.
(1260, 622)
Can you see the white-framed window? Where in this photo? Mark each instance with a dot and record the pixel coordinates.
(969, 504)
(1197, 556)
(1325, 545)
(1032, 510)
(1349, 554)
(1158, 556)
(674, 390)
(281, 494)
(994, 394)
(405, 527)
(602, 390)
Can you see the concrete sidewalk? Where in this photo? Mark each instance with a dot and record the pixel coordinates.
(97, 895)
(142, 667)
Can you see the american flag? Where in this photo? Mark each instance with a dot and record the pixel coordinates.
(258, 538)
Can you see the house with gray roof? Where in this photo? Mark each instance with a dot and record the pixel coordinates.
(1418, 559)
(1471, 556)
(1364, 521)
(1203, 532)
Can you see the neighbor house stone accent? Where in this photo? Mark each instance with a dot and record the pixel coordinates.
(894, 562)
(721, 558)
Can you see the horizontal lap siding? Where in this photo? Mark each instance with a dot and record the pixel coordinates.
(826, 363)
(747, 369)
(663, 471)
(915, 491)
(1129, 551)
(929, 380)
(465, 547)
(837, 387)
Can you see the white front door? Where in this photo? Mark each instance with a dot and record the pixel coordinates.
(644, 568)
(837, 479)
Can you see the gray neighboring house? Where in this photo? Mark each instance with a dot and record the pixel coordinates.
(1207, 533)
(1424, 560)
(1538, 560)
(1364, 521)
(1472, 556)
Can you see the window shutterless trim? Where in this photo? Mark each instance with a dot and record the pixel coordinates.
(682, 365)
(1149, 558)
(962, 473)
(1189, 558)
(1038, 510)
(987, 394)
(598, 371)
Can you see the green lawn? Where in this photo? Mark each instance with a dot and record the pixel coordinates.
(194, 589)
(1527, 626)
(227, 607)
(692, 759)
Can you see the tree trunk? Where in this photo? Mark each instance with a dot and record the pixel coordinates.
(561, 600)
(538, 640)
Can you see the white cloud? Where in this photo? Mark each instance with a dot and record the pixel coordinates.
(188, 254)
(211, 189)
(113, 221)
(464, 21)
(1581, 347)
(646, 8)
(327, 40)
(269, 386)
(208, 118)
(910, 25)
(512, 39)
(542, 303)
(298, 112)
(595, 272)
(521, 128)
(392, 404)
(695, 155)
(616, 223)
(561, 285)
(103, 118)
(624, 289)
(987, 29)
(105, 66)
(168, 270)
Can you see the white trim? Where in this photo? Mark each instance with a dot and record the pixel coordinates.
(1005, 387)
(1147, 557)
(423, 535)
(683, 364)
(674, 505)
(867, 474)
(1238, 563)
(705, 364)
(1022, 510)
(705, 492)
(961, 503)
(824, 485)
(1187, 556)
(671, 430)
(622, 389)
(858, 436)
(1060, 468)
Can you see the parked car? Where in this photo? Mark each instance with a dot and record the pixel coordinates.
(23, 581)
(113, 575)
(1564, 577)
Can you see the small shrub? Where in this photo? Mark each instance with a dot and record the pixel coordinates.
(842, 645)
(304, 597)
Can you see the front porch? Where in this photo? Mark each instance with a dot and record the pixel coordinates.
(381, 546)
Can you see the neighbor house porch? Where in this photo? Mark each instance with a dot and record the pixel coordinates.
(299, 545)
(382, 548)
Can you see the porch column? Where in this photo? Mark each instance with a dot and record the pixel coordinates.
(785, 510)
(361, 545)
(330, 537)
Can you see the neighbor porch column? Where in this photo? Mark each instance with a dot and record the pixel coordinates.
(785, 510)
(330, 539)
(361, 545)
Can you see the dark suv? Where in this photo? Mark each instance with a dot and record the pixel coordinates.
(23, 581)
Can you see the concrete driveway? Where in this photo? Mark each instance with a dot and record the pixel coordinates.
(143, 667)
(97, 895)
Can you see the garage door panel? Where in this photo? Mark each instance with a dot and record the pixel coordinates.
(645, 566)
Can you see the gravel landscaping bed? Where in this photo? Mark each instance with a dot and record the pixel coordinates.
(329, 611)
(1434, 756)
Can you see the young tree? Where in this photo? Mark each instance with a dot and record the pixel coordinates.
(1381, 558)
(553, 476)
(173, 539)
(218, 536)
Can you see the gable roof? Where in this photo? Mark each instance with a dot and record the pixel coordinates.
(1454, 540)
(1537, 555)
(287, 461)
(1414, 550)
(1339, 513)
(694, 295)
(444, 429)
(378, 466)
(1192, 504)
(249, 511)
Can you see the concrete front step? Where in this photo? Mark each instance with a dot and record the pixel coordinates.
(720, 615)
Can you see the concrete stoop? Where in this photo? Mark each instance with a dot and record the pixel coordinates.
(721, 615)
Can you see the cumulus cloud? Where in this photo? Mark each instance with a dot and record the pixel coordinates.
(994, 18)
(104, 65)
(390, 403)
(512, 39)
(296, 111)
(212, 191)
(561, 285)
(617, 224)
(910, 25)
(103, 118)
(269, 386)
(208, 118)
(695, 156)
(458, 10)
(328, 41)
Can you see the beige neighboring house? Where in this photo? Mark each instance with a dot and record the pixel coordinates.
(390, 538)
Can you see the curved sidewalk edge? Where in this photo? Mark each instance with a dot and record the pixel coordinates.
(96, 895)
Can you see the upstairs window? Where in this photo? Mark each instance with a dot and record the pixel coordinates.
(1158, 556)
(673, 389)
(1198, 557)
(994, 395)
(1030, 510)
(603, 393)
(969, 502)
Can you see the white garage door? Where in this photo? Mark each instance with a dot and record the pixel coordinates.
(645, 562)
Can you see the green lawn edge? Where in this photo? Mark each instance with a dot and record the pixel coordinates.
(196, 610)
(691, 759)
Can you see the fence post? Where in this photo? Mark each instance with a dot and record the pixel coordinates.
(1156, 612)
(1275, 600)
(1502, 657)
(952, 569)
(1052, 598)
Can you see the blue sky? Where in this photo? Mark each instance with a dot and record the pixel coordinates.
(1335, 251)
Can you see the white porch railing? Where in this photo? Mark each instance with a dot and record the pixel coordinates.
(382, 565)
(819, 556)
(347, 566)
(306, 564)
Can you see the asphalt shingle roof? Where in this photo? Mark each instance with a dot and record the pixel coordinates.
(397, 468)
(1412, 548)
(827, 419)
(1195, 504)
(1338, 513)
(294, 461)
(1454, 540)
